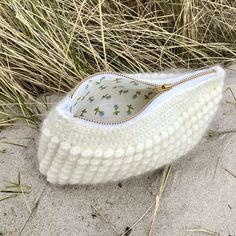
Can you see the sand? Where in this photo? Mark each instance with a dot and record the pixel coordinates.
(200, 192)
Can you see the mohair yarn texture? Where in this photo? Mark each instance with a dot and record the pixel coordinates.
(73, 150)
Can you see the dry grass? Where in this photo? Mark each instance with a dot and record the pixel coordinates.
(165, 176)
(47, 46)
(14, 189)
(203, 230)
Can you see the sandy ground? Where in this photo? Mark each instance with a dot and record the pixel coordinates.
(199, 193)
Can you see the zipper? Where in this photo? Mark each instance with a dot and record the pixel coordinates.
(71, 93)
(165, 87)
(159, 89)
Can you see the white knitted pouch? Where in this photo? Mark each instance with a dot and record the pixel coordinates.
(114, 126)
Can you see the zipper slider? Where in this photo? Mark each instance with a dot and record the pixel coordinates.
(162, 88)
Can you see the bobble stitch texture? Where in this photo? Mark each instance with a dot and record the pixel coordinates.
(72, 151)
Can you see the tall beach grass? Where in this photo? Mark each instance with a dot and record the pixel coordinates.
(48, 46)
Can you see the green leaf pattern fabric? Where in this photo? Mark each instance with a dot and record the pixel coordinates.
(111, 99)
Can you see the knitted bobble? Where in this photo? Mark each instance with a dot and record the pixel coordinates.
(171, 130)
(199, 115)
(176, 125)
(185, 115)
(83, 161)
(189, 132)
(103, 169)
(206, 119)
(78, 172)
(86, 153)
(58, 160)
(62, 151)
(98, 153)
(195, 127)
(138, 157)
(183, 138)
(193, 119)
(63, 179)
(204, 109)
(74, 153)
(178, 133)
(130, 151)
(148, 153)
(43, 144)
(119, 152)
(140, 147)
(127, 161)
(52, 179)
(197, 106)
(165, 144)
(54, 142)
(118, 161)
(201, 101)
(187, 124)
(180, 119)
(156, 138)
(177, 143)
(156, 149)
(214, 92)
(164, 134)
(114, 168)
(107, 162)
(65, 146)
(148, 143)
(67, 168)
(207, 96)
(171, 147)
(47, 159)
(108, 153)
(217, 99)
(145, 164)
(210, 105)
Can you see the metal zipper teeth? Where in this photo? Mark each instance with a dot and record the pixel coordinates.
(109, 72)
(159, 89)
(165, 87)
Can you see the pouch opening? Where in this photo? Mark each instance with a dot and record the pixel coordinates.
(110, 99)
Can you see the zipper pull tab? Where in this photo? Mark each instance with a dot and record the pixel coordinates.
(163, 88)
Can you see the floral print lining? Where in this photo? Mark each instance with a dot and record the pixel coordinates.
(111, 99)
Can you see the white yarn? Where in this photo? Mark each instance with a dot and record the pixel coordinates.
(75, 151)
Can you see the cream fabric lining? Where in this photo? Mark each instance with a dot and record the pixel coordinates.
(109, 99)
